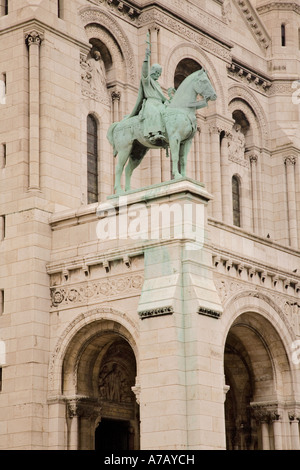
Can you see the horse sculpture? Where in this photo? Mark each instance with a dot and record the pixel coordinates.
(179, 117)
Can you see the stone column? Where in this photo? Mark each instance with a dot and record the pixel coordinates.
(253, 166)
(216, 172)
(226, 182)
(73, 425)
(265, 435)
(33, 41)
(262, 416)
(294, 422)
(277, 431)
(115, 96)
(291, 199)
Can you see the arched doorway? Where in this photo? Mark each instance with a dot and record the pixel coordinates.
(257, 372)
(99, 371)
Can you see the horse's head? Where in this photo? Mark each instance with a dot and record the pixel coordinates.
(204, 87)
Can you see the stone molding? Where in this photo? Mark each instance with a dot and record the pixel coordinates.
(253, 20)
(156, 312)
(252, 78)
(161, 18)
(119, 7)
(208, 312)
(281, 87)
(240, 279)
(288, 6)
(96, 290)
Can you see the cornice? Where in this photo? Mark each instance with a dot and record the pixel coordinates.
(193, 32)
(284, 6)
(255, 24)
(242, 73)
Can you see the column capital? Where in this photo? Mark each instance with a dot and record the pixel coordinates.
(253, 158)
(290, 160)
(34, 37)
(215, 129)
(83, 407)
(154, 27)
(115, 95)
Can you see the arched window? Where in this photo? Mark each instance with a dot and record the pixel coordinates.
(4, 7)
(236, 201)
(92, 160)
(283, 39)
(185, 68)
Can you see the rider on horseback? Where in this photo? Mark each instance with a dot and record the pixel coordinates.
(150, 102)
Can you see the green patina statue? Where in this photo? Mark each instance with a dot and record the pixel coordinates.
(159, 122)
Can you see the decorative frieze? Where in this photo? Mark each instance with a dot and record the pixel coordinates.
(96, 291)
(287, 6)
(186, 31)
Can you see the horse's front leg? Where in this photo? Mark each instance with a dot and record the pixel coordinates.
(174, 147)
(131, 165)
(183, 153)
(122, 159)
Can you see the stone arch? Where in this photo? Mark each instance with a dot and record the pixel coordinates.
(258, 371)
(84, 327)
(261, 304)
(101, 25)
(240, 98)
(194, 52)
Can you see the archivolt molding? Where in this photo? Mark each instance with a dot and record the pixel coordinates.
(241, 93)
(92, 16)
(97, 315)
(192, 51)
(233, 293)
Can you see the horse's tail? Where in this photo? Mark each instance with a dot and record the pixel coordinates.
(110, 137)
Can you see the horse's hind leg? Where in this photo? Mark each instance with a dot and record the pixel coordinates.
(122, 159)
(183, 153)
(175, 147)
(131, 165)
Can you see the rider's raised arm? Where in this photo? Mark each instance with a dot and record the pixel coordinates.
(146, 63)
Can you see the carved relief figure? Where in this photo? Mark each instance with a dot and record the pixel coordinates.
(97, 70)
(237, 144)
(113, 384)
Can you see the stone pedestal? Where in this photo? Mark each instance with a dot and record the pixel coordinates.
(181, 370)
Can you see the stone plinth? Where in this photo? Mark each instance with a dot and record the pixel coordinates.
(181, 370)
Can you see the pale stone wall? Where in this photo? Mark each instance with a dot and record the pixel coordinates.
(49, 245)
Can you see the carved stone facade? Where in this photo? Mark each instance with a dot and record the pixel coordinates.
(120, 342)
